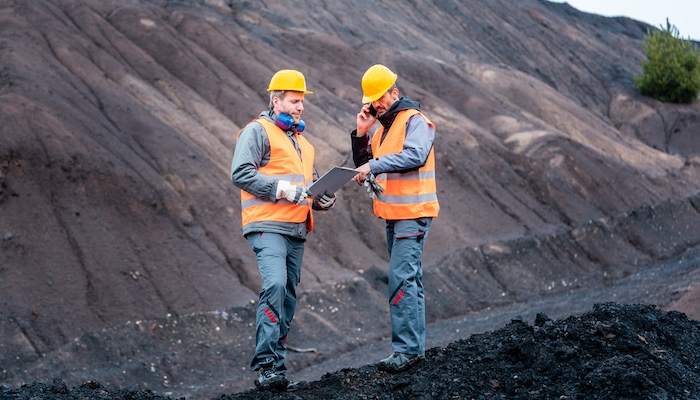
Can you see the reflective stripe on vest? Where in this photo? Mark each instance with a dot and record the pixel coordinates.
(284, 164)
(406, 195)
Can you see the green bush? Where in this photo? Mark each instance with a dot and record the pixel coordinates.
(671, 72)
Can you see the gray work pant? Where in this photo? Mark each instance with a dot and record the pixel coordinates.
(405, 239)
(279, 261)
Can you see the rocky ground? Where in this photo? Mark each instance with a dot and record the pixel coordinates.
(579, 349)
(614, 351)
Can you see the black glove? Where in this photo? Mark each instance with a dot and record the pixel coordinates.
(326, 201)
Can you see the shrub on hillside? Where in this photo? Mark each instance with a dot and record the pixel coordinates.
(671, 72)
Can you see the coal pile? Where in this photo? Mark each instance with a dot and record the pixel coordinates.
(614, 351)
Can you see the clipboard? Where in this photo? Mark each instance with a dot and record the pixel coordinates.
(331, 181)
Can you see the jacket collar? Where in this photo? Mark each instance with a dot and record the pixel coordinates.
(404, 103)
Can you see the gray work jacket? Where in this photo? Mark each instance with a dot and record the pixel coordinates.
(252, 152)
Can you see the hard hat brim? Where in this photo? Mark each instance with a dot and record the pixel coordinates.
(369, 99)
(281, 90)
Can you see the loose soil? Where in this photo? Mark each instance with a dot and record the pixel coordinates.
(615, 351)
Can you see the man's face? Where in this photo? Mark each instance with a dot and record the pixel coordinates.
(292, 104)
(384, 103)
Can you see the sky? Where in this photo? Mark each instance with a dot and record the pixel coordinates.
(684, 14)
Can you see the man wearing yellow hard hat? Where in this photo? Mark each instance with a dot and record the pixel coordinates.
(397, 164)
(273, 165)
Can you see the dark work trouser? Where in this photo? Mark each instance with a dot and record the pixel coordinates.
(279, 261)
(405, 240)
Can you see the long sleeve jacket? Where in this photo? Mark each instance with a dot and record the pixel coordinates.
(252, 152)
(417, 145)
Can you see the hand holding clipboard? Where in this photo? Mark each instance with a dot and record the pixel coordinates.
(331, 181)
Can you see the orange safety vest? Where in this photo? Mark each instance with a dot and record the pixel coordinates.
(406, 195)
(285, 164)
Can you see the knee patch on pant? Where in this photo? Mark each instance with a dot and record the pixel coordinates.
(398, 294)
(271, 313)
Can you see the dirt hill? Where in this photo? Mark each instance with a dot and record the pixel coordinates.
(122, 259)
(612, 352)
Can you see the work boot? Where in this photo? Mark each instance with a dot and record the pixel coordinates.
(292, 385)
(398, 362)
(268, 379)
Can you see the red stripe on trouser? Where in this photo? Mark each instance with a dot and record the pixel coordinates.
(271, 315)
(398, 297)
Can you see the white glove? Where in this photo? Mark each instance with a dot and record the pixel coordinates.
(292, 193)
(326, 201)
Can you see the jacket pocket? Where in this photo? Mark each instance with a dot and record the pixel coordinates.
(414, 228)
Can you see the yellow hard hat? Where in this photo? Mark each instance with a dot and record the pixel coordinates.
(375, 82)
(288, 79)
